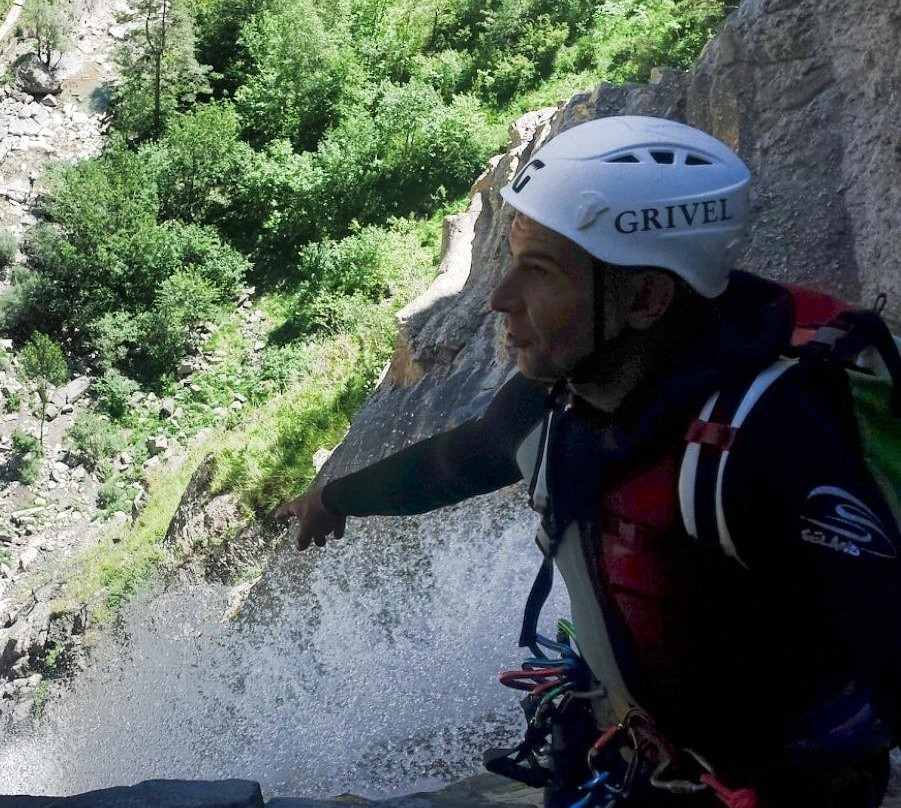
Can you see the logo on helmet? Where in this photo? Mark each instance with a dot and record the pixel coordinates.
(673, 216)
(525, 175)
(593, 205)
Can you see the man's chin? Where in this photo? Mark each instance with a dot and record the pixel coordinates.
(536, 371)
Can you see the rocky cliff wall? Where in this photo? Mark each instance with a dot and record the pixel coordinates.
(808, 93)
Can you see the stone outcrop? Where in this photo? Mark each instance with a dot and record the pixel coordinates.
(34, 77)
(806, 92)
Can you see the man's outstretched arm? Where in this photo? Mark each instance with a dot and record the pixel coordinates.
(474, 458)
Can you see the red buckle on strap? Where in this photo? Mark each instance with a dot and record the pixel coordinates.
(712, 434)
(630, 533)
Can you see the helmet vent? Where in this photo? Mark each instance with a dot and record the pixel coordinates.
(665, 157)
(625, 158)
(694, 160)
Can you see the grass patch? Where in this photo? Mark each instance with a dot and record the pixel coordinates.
(271, 458)
(41, 695)
(8, 243)
(311, 389)
(49, 669)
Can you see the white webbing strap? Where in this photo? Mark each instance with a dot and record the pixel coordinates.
(688, 473)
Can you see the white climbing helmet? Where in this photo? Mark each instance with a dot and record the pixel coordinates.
(641, 191)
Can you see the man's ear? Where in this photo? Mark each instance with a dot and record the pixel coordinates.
(654, 293)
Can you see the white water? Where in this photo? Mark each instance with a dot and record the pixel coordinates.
(371, 668)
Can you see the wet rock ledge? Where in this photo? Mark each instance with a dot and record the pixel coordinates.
(481, 791)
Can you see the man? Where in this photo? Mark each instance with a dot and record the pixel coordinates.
(774, 654)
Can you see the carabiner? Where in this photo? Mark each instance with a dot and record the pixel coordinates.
(680, 786)
(624, 789)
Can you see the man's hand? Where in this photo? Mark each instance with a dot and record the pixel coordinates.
(316, 521)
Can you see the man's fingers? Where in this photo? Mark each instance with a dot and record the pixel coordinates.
(285, 511)
(300, 539)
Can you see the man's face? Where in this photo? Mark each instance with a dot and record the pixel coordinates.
(547, 297)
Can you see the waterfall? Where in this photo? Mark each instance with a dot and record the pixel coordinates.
(368, 667)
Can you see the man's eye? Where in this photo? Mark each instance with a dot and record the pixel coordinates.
(538, 269)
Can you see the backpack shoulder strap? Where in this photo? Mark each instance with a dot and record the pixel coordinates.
(710, 438)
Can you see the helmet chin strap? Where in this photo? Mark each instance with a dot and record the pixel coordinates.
(585, 370)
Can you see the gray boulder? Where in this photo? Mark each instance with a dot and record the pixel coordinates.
(34, 77)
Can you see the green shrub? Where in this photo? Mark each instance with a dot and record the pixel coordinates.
(185, 300)
(629, 37)
(196, 164)
(508, 78)
(112, 497)
(92, 439)
(22, 307)
(113, 391)
(25, 459)
(104, 250)
(280, 367)
(447, 71)
(8, 248)
(13, 402)
(202, 252)
(410, 154)
(44, 365)
(340, 279)
(352, 265)
(218, 26)
(24, 443)
(106, 270)
(117, 337)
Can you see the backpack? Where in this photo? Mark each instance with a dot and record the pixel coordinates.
(826, 330)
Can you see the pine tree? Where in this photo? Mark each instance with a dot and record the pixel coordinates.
(159, 71)
(43, 364)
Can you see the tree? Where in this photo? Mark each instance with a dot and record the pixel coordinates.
(159, 71)
(197, 162)
(302, 71)
(49, 23)
(43, 363)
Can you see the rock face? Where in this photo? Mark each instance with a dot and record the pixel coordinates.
(34, 77)
(807, 94)
(803, 91)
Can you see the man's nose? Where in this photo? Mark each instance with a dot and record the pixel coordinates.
(505, 298)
